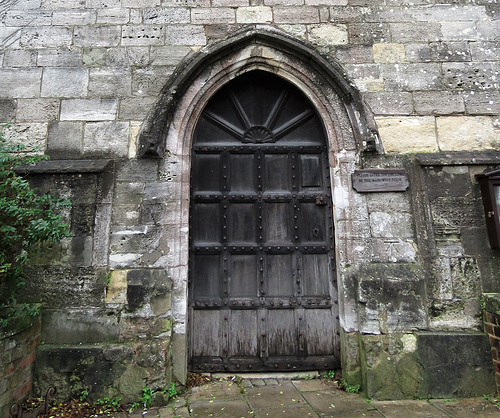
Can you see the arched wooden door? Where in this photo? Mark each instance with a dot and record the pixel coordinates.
(262, 289)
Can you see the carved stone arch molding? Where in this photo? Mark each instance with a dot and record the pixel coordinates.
(168, 132)
(324, 81)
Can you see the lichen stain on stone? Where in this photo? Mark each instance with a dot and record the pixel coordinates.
(256, 52)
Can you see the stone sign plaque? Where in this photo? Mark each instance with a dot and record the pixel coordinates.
(380, 180)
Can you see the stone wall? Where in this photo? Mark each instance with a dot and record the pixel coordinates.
(91, 80)
(105, 330)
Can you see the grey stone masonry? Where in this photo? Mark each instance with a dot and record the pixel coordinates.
(412, 85)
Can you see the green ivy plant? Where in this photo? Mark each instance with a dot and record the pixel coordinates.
(26, 218)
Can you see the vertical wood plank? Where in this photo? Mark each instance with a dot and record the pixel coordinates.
(243, 276)
(279, 275)
(243, 332)
(206, 342)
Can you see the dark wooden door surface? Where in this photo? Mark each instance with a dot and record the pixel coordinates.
(262, 289)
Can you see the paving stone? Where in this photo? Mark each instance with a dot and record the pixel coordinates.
(258, 382)
(271, 396)
(398, 409)
(336, 402)
(237, 408)
(271, 382)
(245, 383)
(286, 411)
(215, 391)
(465, 408)
(314, 385)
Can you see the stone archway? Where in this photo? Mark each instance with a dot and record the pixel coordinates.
(168, 133)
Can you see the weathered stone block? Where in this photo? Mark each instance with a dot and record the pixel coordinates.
(65, 139)
(95, 36)
(185, 35)
(105, 139)
(219, 15)
(366, 77)
(393, 297)
(438, 103)
(346, 14)
(24, 83)
(446, 13)
(19, 58)
(255, 14)
(390, 103)
(143, 35)
(135, 240)
(357, 54)
(31, 135)
(389, 202)
(70, 17)
(394, 251)
(109, 82)
(408, 134)
(368, 33)
(456, 212)
(140, 4)
(439, 51)
(410, 77)
(89, 109)
(409, 32)
(458, 133)
(170, 55)
(125, 214)
(116, 289)
(58, 4)
(81, 367)
(482, 102)
(113, 16)
(46, 37)
(484, 51)
(128, 193)
(27, 18)
(168, 15)
(78, 326)
(137, 170)
(469, 372)
(460, 31)
(65, 82)
(327, 2)
(304, 14)
(149, 81)
(391, 225)
(328, 34)
(448, 181)
(7, 110)
(385, 52)
(229, 3)
(66, 286)
(470, 76)
(59, 57)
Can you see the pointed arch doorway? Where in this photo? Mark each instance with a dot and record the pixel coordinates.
(262, 288)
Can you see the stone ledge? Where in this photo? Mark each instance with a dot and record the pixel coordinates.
(459, 158)
(66, 167)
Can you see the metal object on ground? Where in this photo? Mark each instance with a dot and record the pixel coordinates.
(16, 410)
